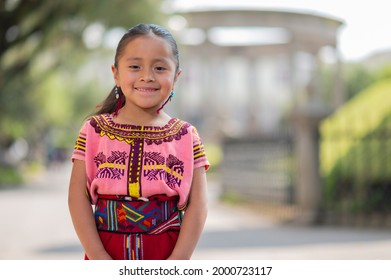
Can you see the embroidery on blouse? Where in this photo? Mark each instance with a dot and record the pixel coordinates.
(80, 145)
(170, 170)
(156, 167)
(135, 161)
(173, 130)
(112, 167)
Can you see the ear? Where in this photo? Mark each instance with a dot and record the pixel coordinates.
(177, 75)
(115, 74)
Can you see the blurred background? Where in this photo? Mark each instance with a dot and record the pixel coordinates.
(291, 98)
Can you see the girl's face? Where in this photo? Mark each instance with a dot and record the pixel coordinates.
(146, 72)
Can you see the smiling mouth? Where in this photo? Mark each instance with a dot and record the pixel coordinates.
(147, 89)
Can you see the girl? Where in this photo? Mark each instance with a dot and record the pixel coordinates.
(139, 167)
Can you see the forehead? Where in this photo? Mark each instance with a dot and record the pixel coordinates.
(148, 47)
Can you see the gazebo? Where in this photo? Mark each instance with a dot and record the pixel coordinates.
(246, 69)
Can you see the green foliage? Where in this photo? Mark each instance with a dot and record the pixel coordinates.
(9, 177)
(215, 155)
(357, 78)
(383, 73)
(349, 121)
(355, 149)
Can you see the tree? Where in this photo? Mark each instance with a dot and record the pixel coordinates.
(41, 47)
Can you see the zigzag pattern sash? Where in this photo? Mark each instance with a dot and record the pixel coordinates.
(156, 215)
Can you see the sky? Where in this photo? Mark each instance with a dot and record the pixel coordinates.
(367, 23)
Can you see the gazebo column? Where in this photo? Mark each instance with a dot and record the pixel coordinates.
(339, 93)
(254, 125)
(307, 117)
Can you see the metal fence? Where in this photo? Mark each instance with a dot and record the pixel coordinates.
(357, 186)
(261, 170)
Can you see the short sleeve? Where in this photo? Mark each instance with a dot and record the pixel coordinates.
(79, 151)
(200, 158)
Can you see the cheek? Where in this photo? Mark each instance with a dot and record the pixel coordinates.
(127, 78)
(167, 81)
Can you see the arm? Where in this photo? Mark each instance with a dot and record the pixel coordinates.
(194, 219)
(82, 214)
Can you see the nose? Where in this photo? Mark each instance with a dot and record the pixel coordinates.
(147, 75)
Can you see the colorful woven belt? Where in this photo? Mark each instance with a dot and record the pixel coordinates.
(153, 216)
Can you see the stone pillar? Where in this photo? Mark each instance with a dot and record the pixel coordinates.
(253, 88)
(308, 192)
(339, 93)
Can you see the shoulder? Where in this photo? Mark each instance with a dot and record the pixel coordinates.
(181, 122)
(92, 124)
(190, 128)
(100, 122)
(102, 118)
(184, 125)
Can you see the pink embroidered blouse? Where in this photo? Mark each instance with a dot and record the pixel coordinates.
(139, 161)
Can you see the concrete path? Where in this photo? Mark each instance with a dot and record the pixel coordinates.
(36, 225)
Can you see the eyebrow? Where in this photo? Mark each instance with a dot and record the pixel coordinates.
(154, 60)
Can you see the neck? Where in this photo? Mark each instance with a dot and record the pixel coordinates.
(142, 117)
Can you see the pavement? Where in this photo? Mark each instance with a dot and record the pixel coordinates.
(36, 226)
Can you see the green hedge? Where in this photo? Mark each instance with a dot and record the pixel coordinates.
(9, 177)
(355, 152)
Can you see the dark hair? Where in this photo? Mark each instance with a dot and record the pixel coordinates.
(110, 104)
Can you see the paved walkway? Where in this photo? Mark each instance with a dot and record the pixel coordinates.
(36, 225)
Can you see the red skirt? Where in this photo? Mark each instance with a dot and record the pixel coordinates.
(139, 246)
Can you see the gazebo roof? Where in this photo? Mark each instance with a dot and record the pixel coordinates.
(289, 7)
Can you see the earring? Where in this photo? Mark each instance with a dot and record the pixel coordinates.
(171, 95)
(119, 103)
(168, 99)
(116, 93)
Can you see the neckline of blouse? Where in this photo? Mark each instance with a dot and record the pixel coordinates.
(111, 122)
